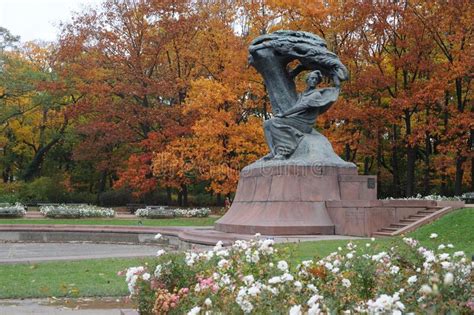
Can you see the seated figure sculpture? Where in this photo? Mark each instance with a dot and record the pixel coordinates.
(285, 131)
(273, 56)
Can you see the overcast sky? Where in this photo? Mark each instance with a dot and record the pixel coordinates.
(39, 19)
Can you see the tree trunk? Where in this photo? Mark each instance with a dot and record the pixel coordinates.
(426, 175)
(33, 169)
(219, 199)
(395, 189)
(347, 152)
(472, 174)
(379, 165)
(184, 191)
(366, 165)
(459, 175)
(411, 160)
(168, 196)
(180, 198)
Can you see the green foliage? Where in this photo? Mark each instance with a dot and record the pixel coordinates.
(43, 189)
(65, 278)
(113, 198)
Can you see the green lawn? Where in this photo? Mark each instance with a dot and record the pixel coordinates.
(456, 227)
(65, 279)
(98, 277)
(145, 222)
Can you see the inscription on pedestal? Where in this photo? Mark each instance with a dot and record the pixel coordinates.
(371, 183)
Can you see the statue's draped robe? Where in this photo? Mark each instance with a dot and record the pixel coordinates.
(283, 134)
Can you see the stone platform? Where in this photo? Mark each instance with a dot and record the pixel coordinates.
(290, 199)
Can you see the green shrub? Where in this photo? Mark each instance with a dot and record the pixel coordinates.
(114, 198)
(80, 197)
(45, 189)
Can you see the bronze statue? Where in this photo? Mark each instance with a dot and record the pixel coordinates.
(294, 116)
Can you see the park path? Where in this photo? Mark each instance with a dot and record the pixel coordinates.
(104, 306)
(38, 252)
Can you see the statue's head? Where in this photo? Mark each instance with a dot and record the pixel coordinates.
(314, 78)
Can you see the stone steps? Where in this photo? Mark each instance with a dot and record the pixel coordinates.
(412, 221)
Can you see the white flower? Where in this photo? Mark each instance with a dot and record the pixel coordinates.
(314, 310)
(254, 290)
(313, 288)
(194, 311)
(298, 285)
(444, 256)
(440, 247)
(257, 235)
(394, 270)
(158, 236)
(458, 254)
(367, 245)
(328, 265)
(339, 248)
(248, 280)
(146, 276)
(433, 235)
(314, 299)
(218, 246)
(426, 289)
(160, 252)
(306, 263)
(208, 302)
(295, 310)
(255, 257)
(450, 245)
(282, 265)
(412, 280)
(274, 280)
(386, 303)
(445, 264)
(372, 239)
(346, 283)
(448, 279)
(222, 253)
(223, 263)
(157, 272)
(287, 277)
(350, 255)
(266, 247)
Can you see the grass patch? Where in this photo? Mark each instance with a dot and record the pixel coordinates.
(66, 279)
(456, 227)
(125, 222)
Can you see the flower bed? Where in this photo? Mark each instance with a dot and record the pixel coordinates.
(164, 212)
(76, 211)
(254, 277)
(16, 210)
(429, 197)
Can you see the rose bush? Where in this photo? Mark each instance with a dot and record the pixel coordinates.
(254, 277)
(164, 212)
(76, 211)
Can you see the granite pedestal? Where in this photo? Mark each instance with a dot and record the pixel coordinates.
(289, 197)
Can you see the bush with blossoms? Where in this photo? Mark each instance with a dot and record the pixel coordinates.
(255, 277)
(16, 210)
(76, 211)
(165, 212)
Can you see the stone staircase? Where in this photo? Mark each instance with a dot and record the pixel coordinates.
(413, 221)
